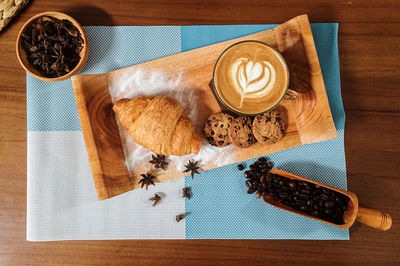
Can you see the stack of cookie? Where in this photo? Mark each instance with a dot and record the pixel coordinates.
(222, 129)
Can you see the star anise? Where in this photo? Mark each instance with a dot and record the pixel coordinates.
(147, 180)
(52, 46)
(186, 192)
(158, 161)
(180, 217)
(156, 199)
(192, 168)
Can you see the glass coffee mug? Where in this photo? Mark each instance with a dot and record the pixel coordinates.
(251, 77)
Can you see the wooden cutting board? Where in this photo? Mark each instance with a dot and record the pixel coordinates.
(308, 118)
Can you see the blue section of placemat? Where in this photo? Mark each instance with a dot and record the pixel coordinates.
(51, 106)
(220, 206)
(193, 37)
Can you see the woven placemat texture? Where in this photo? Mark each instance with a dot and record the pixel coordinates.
(9, 9)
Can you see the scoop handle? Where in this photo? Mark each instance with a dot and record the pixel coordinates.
(374, 218)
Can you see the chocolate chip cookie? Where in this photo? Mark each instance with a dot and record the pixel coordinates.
(268, 127)
(240, 132)
(216, 129)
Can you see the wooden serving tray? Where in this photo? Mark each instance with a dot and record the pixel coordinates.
(308, 118)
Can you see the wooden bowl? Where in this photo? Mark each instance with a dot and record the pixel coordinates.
(22, 55)
(373, 218)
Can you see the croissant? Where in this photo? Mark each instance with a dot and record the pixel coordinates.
(158, 124)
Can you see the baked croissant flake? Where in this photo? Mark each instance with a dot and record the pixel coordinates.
(159, 124)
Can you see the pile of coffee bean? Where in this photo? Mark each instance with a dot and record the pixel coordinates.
(303, 196)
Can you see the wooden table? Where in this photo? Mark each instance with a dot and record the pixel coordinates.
(369, 44)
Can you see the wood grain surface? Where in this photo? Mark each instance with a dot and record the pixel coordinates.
(369, 38)
(308, 119)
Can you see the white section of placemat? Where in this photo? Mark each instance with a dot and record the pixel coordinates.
(56, 215)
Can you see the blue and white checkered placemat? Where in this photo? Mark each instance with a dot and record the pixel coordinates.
(62, 202)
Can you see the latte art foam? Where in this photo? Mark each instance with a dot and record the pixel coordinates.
(251, 79)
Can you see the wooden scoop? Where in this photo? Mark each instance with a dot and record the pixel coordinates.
(373, 218)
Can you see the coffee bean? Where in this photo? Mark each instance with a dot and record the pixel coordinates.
(305, 191)
(328, 212)
(314, 213)
(264, 185)
(304, 196)
(240, 167)
(247, 174)
(281, 182)
(262, 159)
(253, 172)
(292, 184)
(251, 190)
(283, 195)
(264, 170)
(270, 165)
(336, 209)
(301, 202)
(253, 167)
(329, 204)
(324, 196)
(248, 184)
(260, 188)
(284, 188)
(254, 183)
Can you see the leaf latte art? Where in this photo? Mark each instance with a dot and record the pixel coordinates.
(252, 79)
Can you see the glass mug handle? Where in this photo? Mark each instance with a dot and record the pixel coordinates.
(291, 95)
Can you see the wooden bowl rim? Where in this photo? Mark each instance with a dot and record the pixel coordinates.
(84, 53)
(353, 199)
